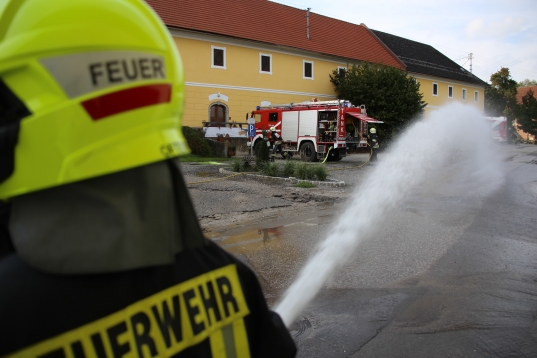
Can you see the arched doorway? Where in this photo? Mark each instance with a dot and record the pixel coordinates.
(217, 114)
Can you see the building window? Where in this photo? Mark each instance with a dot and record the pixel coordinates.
(217, 114)
(308, 70)
(342, 71)
(450, 91)
(218, 57)
(265, 63)
(273, 117)
(464, 94)
(435, 89)
(476, 96)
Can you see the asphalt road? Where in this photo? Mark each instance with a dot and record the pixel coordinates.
(451, 272)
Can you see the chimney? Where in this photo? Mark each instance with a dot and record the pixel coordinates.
(308, 22)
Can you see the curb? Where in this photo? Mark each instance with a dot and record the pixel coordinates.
(328, 182)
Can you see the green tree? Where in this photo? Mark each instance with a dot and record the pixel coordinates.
(527, 83)
(527, 114)
(388, 93)
(500, 98)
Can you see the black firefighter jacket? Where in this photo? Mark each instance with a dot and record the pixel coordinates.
(206, 304)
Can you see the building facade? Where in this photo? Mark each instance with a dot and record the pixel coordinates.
(227, 78)
(240, 54)
(442, 81)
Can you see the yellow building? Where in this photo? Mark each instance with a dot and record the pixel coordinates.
(227, 78)
(239, 54)
(242, 53)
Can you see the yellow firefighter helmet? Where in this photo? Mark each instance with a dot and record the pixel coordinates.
(87, 88)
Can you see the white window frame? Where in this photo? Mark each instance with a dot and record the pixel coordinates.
(339, 68)
(435, 84)
(212, 56)
(261, 63)
(304, 70)
(476, 96)
(464, 94)
(450, 91)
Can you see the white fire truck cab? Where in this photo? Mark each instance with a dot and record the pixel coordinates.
(314, 129)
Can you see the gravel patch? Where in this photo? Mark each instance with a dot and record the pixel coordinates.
(223, 199)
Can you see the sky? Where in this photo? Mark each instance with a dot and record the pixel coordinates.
(497, 33)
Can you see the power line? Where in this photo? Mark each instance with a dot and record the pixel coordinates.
(483, 61)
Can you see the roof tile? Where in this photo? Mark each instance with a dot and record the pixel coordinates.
(277, 24)
(522, 91)
(425, 59)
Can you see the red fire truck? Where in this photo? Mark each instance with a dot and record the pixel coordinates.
(314, 129)
(498, 128)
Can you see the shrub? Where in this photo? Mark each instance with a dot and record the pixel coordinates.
(310, 171)
(259, 166)
(237, 165)
(305, 184)
(301, 171)
(271, 169)
(320, 172)
(262, 153)
(289, 168)
(197, 144)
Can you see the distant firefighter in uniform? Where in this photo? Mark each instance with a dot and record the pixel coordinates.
(276, 142)
(101, 253)
(373, 143)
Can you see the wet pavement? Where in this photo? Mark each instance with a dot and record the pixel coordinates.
(449, 274)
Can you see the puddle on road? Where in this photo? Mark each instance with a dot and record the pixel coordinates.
(246, 238)
(273, 253)
(277, 247)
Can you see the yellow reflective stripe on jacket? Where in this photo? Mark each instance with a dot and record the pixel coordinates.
(163, 324)
(231, 341)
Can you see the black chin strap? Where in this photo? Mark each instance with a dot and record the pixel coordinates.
(189, 229)
(6, 246)
(12, 111)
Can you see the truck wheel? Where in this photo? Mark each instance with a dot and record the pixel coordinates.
(308, 153)
(257, 145)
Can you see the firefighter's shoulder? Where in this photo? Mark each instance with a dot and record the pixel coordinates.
(214, 311)
(163, 324)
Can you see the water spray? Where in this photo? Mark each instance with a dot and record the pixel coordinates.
(453, 133)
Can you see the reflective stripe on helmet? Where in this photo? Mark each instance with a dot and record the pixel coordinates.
(84, 73)
(126, 100)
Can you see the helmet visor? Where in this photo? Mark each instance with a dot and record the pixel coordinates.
(12, 111)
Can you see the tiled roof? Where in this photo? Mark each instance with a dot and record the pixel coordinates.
(277, 24)
(522, 91)
(425, 59)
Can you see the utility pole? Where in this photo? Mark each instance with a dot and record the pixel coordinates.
(470, 57)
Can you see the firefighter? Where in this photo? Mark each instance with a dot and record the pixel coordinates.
(106, 256)
(373, 144)
(276, 140)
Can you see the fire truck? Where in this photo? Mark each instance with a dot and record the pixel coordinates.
(314, 129)
(498, 128)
